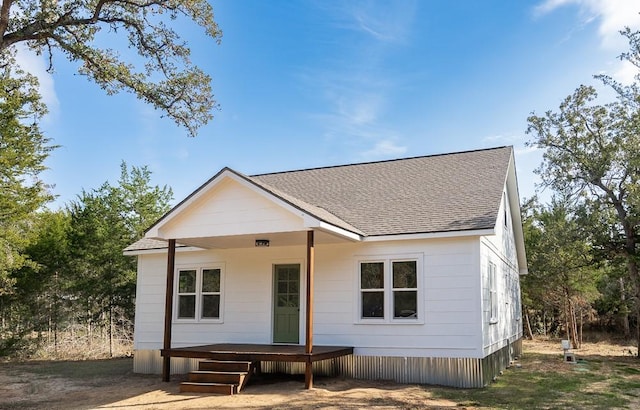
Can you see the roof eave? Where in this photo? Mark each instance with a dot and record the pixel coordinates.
(315, 223)
(511, 184)
(430, 235)
(135, 252)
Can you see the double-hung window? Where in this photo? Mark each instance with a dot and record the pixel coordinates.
(372, 289)
(405, 289)
(199, 293)
(388, 290)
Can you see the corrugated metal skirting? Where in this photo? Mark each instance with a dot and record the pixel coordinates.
(464, 372)
(420, 370)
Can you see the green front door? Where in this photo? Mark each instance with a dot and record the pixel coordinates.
(286, 313)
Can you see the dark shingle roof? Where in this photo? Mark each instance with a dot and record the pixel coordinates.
(438, 193)
(148, 244)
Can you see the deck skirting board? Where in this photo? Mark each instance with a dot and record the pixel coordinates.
(455, 372)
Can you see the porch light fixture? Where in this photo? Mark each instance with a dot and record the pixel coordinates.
(262, 243)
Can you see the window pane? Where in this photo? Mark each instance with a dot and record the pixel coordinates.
(211, 306)
(187, 281)
(211, 280)
(372, 304)
(405, 274)
(187, 307)
(293, 300)
(372, 275)
(405, 304)
(293, 287)
(282, 287)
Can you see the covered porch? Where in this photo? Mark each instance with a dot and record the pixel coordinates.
(232, 213)
(306, 352)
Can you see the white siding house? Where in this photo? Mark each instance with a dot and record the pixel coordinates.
(416, 266)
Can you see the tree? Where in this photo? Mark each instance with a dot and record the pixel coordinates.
(103, 222)
(563, 276)
(592, 154)
(23, 150)
(161, 74)
(35, 306)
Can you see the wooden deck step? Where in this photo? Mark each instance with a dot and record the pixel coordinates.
(208, 376)
(217, 388)
(224, 366)
(220, 377)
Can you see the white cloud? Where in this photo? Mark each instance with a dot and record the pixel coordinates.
(503, 139)
(612, 16)
(35, 64)
(384, 149)
(353, 85)
(385, 22)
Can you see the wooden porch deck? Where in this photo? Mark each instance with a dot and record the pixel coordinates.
(258, 352)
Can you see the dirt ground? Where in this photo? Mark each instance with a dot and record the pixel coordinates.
(111, 385)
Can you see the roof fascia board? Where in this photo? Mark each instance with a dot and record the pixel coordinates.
(431, 235)
(327, 227)
(161, 250)
(516, 216)
(155, 230)
(309, 220)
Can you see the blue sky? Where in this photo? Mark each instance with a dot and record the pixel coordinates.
(314, 83)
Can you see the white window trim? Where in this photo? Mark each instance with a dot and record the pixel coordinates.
(198, 307)
(492, 270)
(388, 318)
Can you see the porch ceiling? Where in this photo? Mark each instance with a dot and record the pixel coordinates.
(274, 238)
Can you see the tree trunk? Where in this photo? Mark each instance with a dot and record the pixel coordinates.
(626, 329)
(573, 325)
(581, 325)
(528, 326)
(56, 313)
(110, 330)
(635, 278)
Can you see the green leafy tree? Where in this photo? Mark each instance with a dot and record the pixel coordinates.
(592, 154)
(161, 73)
(103, 222)
(563, 275)
(23, 150)
(36, 304)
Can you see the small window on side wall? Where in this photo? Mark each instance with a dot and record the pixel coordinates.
(493, 292)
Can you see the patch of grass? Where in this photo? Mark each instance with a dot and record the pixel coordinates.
(626, 369)
(542, 382)
(83, 370)
(625, 384)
